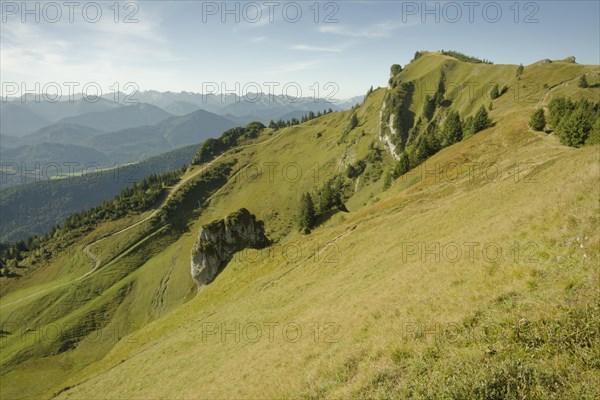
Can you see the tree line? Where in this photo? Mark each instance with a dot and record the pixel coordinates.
(280, 123)
(322, 202)
(576, 123)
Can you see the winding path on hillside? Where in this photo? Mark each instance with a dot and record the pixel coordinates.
(87, 250)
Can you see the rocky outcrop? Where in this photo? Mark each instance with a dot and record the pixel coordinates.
(387, 141)
(220, 240)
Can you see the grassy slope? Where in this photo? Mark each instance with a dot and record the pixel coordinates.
(148, 281)
(375, 300)
(348, 273)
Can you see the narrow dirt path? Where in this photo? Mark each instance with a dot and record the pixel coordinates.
(87, 250)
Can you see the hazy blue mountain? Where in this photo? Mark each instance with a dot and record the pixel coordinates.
(210, 103)
(7, 141)
(55, 153)
(266, 109)
(181, 107)
(16, 119)
(194, 127)
(294, 114)
(351, 102)
(63, 133)
(132, 144)
(66, 142)
(256, 106)
(54, 112)
(120, 118)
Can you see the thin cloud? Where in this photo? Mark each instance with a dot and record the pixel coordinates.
(305, 47)
(379, 30)
(299, 66)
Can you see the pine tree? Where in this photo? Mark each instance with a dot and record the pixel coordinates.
(538, 120)
(520, 70)
(495, 92)
(574, 129)
(403, 165)
(468, 126)
(452, 130)
(583, 83)
(387, 180)
(481, 121)
(594, 136)
(353, 122)
(429, 108)
(441, 89)
(325, 199)
(559, 109)
(306, 217)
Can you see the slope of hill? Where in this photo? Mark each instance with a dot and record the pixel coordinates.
(472, 275)
(120, 118)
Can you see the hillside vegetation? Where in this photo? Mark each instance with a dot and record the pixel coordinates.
(433, 268)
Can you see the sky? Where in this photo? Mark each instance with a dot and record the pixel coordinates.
(329, 49)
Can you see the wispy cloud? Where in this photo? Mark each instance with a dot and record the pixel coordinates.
(305, 47)
(298, 66)
(378, 30)
(82, 51)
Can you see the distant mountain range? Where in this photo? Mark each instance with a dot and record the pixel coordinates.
(21, 116)
(119, 118)
(75, 142)
(105, 132)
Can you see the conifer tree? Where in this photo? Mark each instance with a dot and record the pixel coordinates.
(520, 70)
(306, 217)
(429, 108)
(403, 165)
(481, 121)
(574, 129)
(452, 130)
(353, 121)
(538, 120)
(495, 92)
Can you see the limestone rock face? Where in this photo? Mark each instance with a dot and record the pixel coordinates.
(219, 240)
